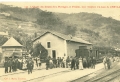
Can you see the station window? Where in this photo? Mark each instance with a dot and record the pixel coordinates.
(48, 45)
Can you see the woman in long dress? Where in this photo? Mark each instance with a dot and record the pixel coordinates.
(80, 63)
(105, 62)
(35, 64)
(51, 64)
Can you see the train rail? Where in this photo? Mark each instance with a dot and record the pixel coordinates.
(89, 76)
(107, 77)
(99, 74)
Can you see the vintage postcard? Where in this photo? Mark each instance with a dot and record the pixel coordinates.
(59, 42)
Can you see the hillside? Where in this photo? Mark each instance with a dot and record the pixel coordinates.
(25, 23)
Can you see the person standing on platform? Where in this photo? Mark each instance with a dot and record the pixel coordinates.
(70, 61)
(51, 63)
(20, 63)
(64, 62)
(108, 63)
(47, 63)
(93, 62)
(39, 63)
(13, 65)
(89, 62)
(58, 62)
(84, 62)
(73, 63)
(35, 64)
(77, 63)
(80, 63)
(10, 65)
(105, 62)
(54, 62)
(30, 66)
(6, 65)
(67, 62)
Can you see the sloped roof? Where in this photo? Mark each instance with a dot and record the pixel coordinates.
(65, 37)
(11, 42)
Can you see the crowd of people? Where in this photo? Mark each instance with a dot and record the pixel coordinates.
(107, 61)
(70, 62)
(30, 63)
(13, 64)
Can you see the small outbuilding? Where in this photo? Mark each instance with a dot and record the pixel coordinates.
(11, 48)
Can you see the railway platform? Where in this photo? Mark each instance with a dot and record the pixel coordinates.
(74, 74)
(17, 72)
(51, 75)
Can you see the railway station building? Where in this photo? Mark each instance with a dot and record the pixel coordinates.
(60, 45)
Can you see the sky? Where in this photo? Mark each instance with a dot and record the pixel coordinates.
(107, 9)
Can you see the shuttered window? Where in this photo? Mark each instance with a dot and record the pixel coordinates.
(48, 45)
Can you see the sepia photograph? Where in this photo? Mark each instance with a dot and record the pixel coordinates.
(59, 41)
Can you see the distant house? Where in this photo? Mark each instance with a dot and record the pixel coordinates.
(60, 45)
(11, 48)
(4, 33)
(5, 14)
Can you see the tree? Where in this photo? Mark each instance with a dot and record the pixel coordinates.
(35, 34)
(40, 51)
(70, 30)
(3, 40)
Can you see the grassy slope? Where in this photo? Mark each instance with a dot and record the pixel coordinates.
(92, 27)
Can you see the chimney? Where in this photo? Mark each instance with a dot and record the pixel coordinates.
(6, 32)
(35, 34)
(70, 36)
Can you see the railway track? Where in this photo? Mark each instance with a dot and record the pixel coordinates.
(107, 77)
(98, 74)
(89, 76)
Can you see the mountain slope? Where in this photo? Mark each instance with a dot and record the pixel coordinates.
(99, 30)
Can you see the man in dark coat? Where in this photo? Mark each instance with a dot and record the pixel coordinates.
(108, 62)
(13, 65)
(55, 62)
(30, 66)
(6, 64)
(84, 62)
(77, 63)
(67, 62)
(93, 62)
(47, 63)
(73, 63)
(89, 62)
(58, 62)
